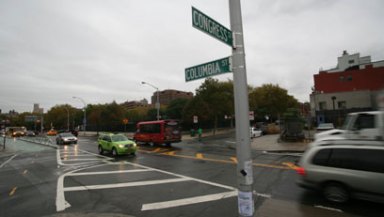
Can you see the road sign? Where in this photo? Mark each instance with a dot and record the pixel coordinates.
(251, 116)
(211, 27)
(30, 118)
(215, 67)
(195, 119)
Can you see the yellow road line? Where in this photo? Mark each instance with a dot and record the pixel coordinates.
(12, 191)
(234, 159)
(157, 150)
(290, 165)
(199, 156)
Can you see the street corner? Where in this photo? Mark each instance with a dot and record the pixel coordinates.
(271, 142)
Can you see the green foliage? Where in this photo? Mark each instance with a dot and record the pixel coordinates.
(57, 117)
(175, 108)
(270, 100)
(213, 100)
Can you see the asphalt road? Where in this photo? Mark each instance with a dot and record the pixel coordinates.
(188, 179)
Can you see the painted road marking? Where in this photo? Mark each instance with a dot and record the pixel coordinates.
(64, 156)
(187, 201)
(62, 204)
(157, 150)
(124, 185)
(290, 165)
(109, 172)
(7, 161)
(170, 153)
(25, 172)
(223, 161)
(234, 159)
(328, 208)
(12, 191)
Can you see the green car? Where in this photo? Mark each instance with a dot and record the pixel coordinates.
(117, 144)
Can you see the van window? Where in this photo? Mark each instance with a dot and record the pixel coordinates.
(321, 157)
(150, 128)
(354, 159)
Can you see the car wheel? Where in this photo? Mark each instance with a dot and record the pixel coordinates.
(114, 152)
(100, 149)
(335, 192)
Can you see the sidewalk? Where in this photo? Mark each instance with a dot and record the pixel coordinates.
(269, 142)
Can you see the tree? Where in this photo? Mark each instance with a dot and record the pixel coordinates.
(175, 108)
(270, 100)
(213, 100)
(57, 117)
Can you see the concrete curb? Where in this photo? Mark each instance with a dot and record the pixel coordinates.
(39, 140)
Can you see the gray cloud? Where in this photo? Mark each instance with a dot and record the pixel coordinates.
(100, 50)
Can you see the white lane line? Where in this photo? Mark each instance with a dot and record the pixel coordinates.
(61, 203)
(75, 155)
(187, 201)
(7, 161)
(109, 172)
(181, 176)
(123, 185)
(328, 208)
(84, 159)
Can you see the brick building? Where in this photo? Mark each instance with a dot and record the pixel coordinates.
(166, 96)
(353, 85)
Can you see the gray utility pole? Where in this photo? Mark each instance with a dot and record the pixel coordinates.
(244, 158)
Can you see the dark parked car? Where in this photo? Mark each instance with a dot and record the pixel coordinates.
(65, 138)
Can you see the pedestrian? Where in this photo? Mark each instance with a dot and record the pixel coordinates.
(199, 132)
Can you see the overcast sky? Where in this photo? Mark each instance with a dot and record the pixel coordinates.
(101, 50)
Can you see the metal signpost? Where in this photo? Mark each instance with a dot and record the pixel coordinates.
(244, 165)
(208, 69)
(236, 64)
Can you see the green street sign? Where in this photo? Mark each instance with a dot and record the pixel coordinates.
(211, 27)
(208, 69)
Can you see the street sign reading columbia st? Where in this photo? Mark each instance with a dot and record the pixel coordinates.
(211, 27)
(204, 70)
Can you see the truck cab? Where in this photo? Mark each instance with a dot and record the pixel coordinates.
(359, 125)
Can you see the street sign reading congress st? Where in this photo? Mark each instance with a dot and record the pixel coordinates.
(204, 70)
(211, 27)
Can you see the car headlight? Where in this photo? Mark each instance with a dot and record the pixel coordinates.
(134, 145)
(121, 146)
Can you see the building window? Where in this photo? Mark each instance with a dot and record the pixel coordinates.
(342, 104)
(349, 78)
(341, 78)
(322, 106)
(351, 61)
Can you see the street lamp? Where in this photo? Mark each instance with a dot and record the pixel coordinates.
(157, 98)
(85, 113)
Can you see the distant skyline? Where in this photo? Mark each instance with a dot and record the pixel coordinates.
(101, 51)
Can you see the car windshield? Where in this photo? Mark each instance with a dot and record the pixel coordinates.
(66, 134)
(326, 125)
(119, 138)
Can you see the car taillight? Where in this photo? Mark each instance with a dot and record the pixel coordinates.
(300, 171)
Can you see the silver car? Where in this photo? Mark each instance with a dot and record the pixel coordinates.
(344, 169)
